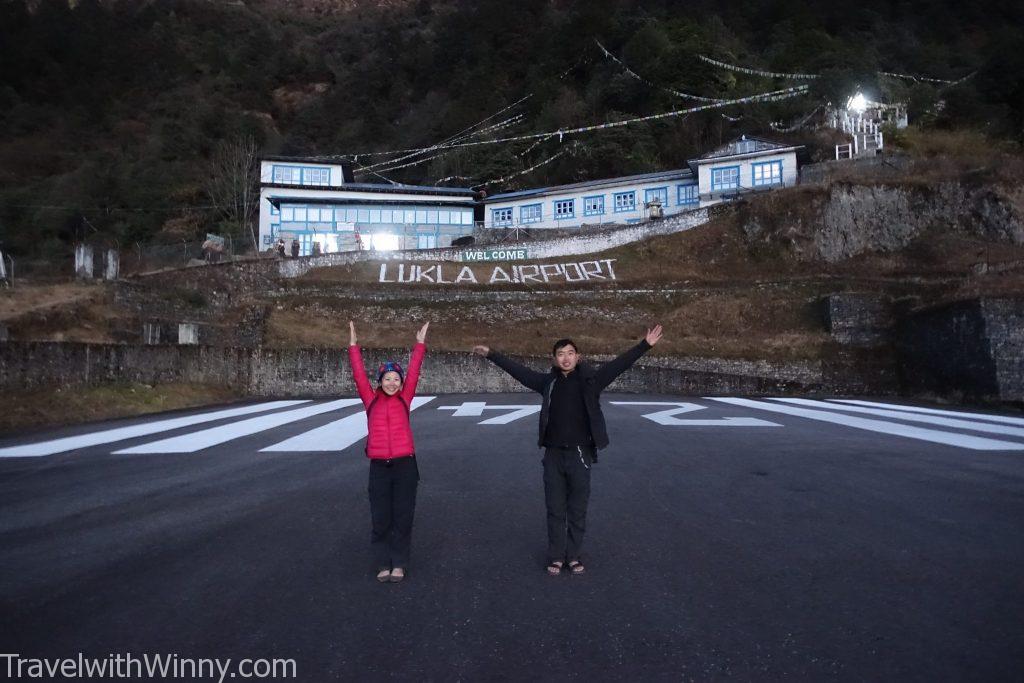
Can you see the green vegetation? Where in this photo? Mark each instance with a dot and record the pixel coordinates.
(111, 112)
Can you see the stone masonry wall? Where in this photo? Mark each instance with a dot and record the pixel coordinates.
(325, 372)
(973, 349)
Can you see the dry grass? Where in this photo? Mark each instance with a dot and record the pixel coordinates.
(61, 406)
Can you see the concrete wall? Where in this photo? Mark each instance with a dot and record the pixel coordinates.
(325, 372)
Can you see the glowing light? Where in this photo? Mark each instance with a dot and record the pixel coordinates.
(857, 103)
(382, 242)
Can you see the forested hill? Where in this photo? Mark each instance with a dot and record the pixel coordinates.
(110, 112)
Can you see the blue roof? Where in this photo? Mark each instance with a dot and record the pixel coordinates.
(593, 184)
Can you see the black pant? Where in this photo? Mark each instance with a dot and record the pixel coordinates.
(392, 491)
(566, 492)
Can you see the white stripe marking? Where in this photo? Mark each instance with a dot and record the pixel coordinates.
(668, 417)
(197, 441)
(334, 436)
(911, 417)
(71, 443)
(932, 411)
(948, 438)
(476, 409)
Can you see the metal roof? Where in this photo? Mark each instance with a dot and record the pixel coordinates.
(381, 188)
(727, 151)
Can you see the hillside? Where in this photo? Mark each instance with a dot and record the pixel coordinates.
(111, 113)
(751, 284)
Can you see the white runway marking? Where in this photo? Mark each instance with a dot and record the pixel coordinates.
(334, 436)
(911, 417)
(932, 411)
(197, 441)
(71, 443)
(896, 429)
(477, 408)
(668, 417)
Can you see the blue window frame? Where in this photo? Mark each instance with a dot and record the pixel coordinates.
(725, 178)
(766, 173)
(687, 194)
(659, 193)
(301, 175)
(625, 201)
(501, 216)
(593, 206)
(291, 175)
(530, 213)
(565, 208)
(316, 176)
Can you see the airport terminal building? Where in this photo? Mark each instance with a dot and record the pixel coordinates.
(319, 205)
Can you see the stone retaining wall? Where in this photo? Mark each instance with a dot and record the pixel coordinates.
(325, 372)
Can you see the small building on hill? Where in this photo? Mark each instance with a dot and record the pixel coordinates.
(318, 203)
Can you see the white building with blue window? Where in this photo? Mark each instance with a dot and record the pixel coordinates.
(596, 202)
(744, 165)
(747, 164)
(318, 203)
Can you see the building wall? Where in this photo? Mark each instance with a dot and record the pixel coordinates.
(434, 221)
(745, 167)
(580, 217)
(299, 173)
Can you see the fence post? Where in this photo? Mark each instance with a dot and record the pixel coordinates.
(113, 265)
(83, 261)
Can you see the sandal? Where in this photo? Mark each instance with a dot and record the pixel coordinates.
(555, 568)
(576, 567)
(397, 574)
(384, 575)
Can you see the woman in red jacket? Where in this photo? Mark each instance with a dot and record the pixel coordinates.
(392, 454)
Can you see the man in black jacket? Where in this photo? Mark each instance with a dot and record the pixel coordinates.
(572, 428)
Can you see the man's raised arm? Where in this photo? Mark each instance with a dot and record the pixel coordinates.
(531, 379)
(607, 373)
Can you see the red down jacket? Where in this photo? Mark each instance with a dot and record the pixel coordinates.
(387, 417)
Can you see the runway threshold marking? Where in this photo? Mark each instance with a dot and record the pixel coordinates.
(970, 425)
(71, 443)
(668, 417)
(881, 426)
(197, 441)
(334, 436)
(477, 408)
(1003, 419)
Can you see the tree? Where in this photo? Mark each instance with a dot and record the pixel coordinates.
(234, 184)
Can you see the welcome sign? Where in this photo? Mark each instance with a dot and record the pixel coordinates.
(513, 254)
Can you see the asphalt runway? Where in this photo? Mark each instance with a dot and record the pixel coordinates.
(727, 539)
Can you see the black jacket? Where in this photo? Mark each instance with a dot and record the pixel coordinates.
(594, 382)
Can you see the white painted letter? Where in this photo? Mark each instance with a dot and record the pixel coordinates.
(466, 275)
